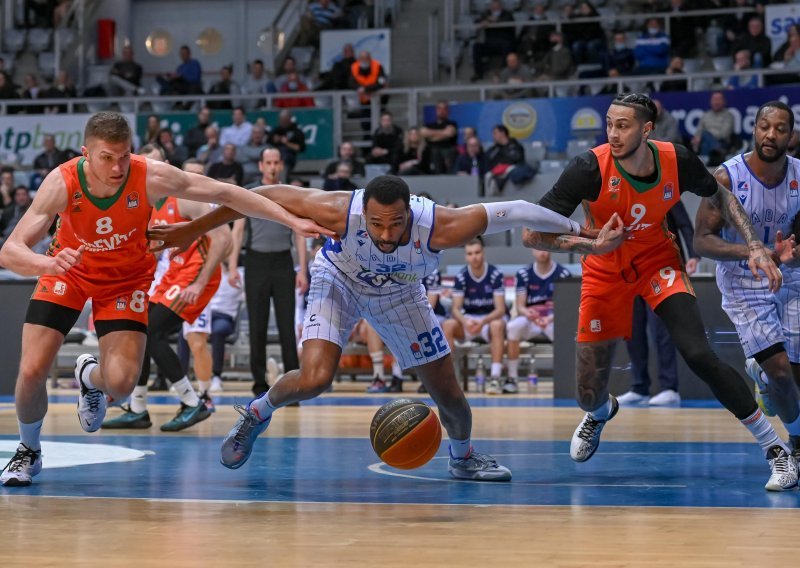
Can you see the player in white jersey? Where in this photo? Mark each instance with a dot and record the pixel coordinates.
(389, 241)
(767, 183)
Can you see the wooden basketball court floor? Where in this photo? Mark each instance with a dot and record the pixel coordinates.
(668, 487)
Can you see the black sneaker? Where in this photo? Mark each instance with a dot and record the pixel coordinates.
(396, 385)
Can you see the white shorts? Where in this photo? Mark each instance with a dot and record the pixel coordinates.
(402, 317)
(161, 268)
(763, 319)
(201, 325)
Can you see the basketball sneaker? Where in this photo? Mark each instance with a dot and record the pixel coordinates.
(586, 438)
(238, 444)
(128, 420)
(25, 465)
(784, 470)
(186, 416)
(216, 385)
(494, 386)
(205, 399)
(762, 391)
(396, 385)
(631, 398)
(510, 386)
(91, 402)
(377, 386)
(478, 467)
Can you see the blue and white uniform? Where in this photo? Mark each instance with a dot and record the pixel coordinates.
(227, 300)
(538, 290)
(479, 295)
(762, 318)
(351, 278)
(433, 285)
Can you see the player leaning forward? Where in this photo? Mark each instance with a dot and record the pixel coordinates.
(389, 241)
(99, 251)
(640, 180)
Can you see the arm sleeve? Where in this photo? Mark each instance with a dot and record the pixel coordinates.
(579, 181)
(685, 229)
(693, 176)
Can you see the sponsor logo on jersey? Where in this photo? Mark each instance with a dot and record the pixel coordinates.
(501, 213)
(595, 326)
(76, 208)
(793, 189)
(312, 321)
(417, 247)
(656, 287)
(179, 259)
(109, 243)
(60, 288)
(613, 183)
(76, 196)
(44, 289)
(416, 350)
(133, 200)
(668, 189)
(122, 303)
(743, 186)
(171, 209)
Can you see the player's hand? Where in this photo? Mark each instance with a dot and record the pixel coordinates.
(234, 278)
(473, 326)
(192, 292)
(63, 261)
(691, 266)
(308, 228)
(761, 260)
(177, 235)
(784, 252)
(301, 282)
(610, 236)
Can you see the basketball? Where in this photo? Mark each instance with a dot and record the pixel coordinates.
(405, 433)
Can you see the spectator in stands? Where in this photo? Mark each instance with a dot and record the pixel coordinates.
(793, 149)
(479, 308)
(125, 75)
(347, 153)
(466, 133)
(289, 67)
(666, 127)
(294, 84)
(340, 180)
(413, 160)
(715, 131)
(320, 15)
(239, 132)
(514, 73)
(7, 186)
(620, 56)
(535, 289)
(557, 63)
(257, 82)
(14, 212)
(174, 153)
(741, 62)
(441, 140)
(473, 162)
(387, 141)
(338, 78)
(196, 135)
(250, 154)
(187, 79)
(506, 162)
(50, 158)
(7, 88)
(152, 128)
(791, 55)
(652, 49)
(587, 40)
(210, 152)
(225, 86)
(682, 30)
(62, 88)
(535, 40)
(498, 41)
(228, 169)
(679, 83)
(367, 77)
(756, 42)
(31, 90)
(736, 24)
(289, 139)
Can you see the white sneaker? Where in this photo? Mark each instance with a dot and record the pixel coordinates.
(631, 398)
(478, 467)
(494, 387)
(762, 392)
(272, 371)
(784, 470)
(216, 385)
(25, 465)
(586, 438)
(666, 397)
(92, 403)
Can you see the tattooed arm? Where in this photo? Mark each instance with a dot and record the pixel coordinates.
(607, 239)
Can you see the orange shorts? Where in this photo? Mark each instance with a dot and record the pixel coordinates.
(115, 294)
(175, 281)
(606, 310)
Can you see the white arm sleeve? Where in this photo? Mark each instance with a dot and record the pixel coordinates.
(506, 215)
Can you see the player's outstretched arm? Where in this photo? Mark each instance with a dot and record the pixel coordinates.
(219, 247)
(17, 254)
(591, 241)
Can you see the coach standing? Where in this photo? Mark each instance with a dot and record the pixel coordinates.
(269, 274)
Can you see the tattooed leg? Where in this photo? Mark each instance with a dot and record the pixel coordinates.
(593, 363)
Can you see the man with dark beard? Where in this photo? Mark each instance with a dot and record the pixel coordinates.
(766, 182)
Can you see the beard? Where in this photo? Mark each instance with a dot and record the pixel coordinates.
(780, 153)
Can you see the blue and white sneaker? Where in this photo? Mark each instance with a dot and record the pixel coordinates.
(25, 465)
(478, 467)
(762, 391)
(238, 444)
(92, 403)
(586, 438)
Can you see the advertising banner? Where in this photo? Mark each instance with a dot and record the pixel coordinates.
(778, 19)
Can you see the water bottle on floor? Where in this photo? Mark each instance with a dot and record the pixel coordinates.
(480, 376)
(533, 377)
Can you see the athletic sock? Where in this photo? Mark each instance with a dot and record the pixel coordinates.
(763, 431)
(396, 370)
(204, 386)
(513, 368)
(86, 373)
(603, 412)
(186, 392)
(377, 364)
(29, 434)
(497, 368)
(263, 407)
(793, 427)
(460, 448)
(139, 399)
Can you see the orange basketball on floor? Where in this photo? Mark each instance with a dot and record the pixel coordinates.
(405, 433)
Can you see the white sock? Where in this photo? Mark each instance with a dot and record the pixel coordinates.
(763, 431)
(204, 386)
(139, 399)
(793, 427)
(396, 370)
(603, 412)
(460, 448)
(186, 392)
(86, 378)
(29, 434)
(377, 364)
(263, 407)
(513, 368)
(497, 368)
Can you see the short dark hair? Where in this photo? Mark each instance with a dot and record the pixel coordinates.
(108, 126)
(475, 241)
(7, 170)
(780, 106)
(644, 106)
(386, 190)
(21, 187)
(271, 149)
(241, 108)
(502, 128)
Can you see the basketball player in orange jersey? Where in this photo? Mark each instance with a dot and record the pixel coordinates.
(181, 296)
(640, 180)
(100, 251)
